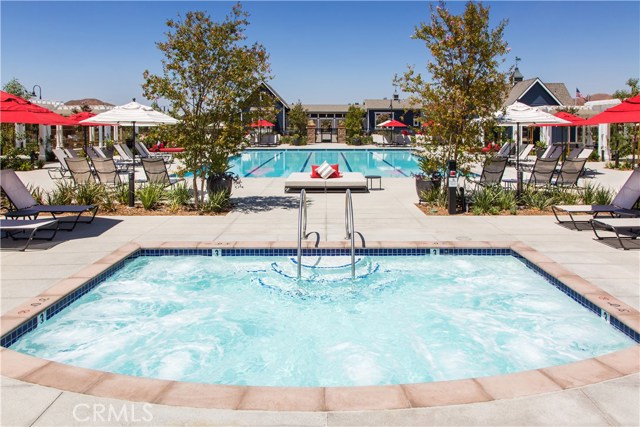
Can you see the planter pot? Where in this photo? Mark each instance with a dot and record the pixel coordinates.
(217, 183)
(427, 184)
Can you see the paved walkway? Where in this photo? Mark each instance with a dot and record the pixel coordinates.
(264, 212)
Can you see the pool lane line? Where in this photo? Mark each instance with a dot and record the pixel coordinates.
(395, 168)
(306, 162)
(346, 162)
(264, 163)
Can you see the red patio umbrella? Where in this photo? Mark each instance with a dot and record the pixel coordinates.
(393, 124)
(84, 115)
(14, 109)
(626, 112)
(262, 124)
(571, 118)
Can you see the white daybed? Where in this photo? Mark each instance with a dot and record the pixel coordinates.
(297, 181)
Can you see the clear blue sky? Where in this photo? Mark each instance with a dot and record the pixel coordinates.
(321, 52)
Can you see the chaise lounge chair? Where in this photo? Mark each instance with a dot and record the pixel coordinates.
(353, 181)
(156, 172)
(621, 205)
(570, 173)
(629, 227)
(14, 226)
(80, 170)
(492, 172)
(26, 206)
(107, 171)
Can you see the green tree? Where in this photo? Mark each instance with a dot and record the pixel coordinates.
(353, 123)
(208, 75)
(465, 82)
(14, 87)
(298, 118)
(634, 89)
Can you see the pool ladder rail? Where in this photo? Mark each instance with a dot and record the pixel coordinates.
(348, 224)
(350, 231)
(302, 229)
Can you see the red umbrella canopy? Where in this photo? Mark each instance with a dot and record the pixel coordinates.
(626, 112)
(572, 118)
(393, 124)
(84, 115)
(14, 109)
(262, 124)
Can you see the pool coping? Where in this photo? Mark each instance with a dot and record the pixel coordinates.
(316, 399)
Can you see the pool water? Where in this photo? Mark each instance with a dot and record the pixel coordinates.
(280, 163)
(247, 320)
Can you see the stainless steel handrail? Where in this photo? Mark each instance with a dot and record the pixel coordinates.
(302, 229)
(350, 230)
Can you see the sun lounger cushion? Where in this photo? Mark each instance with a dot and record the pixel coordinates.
(348, 180)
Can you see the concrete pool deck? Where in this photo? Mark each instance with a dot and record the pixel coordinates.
(265, 213)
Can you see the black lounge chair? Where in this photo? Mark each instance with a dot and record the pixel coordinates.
(106, 171)
(621, 206)
(570, 172)
(12, 227)
(492, 172)
(628, 227)
(26, 206)
(543, 171)
(80, 170)
(156, 172)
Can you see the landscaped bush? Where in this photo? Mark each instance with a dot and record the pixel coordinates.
(216, 203)
(90, 193)
(491, 200)
(63, 194)
(596, 195)
(179, 196)
(150, 196)
(436, 197)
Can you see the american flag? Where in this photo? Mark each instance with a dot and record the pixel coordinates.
(578, 94)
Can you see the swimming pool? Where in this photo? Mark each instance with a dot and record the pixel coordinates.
(391, 325)
(256, 163)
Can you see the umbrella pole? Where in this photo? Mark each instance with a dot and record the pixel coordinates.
(132, 172)
(518, 171)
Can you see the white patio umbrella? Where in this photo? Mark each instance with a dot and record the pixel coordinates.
(133, 114)
(518, 114)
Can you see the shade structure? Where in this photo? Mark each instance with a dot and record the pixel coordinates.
(262, 124)
(518, 114)
(626, 112)
(392, 124)
(14, 109)
(132, 114)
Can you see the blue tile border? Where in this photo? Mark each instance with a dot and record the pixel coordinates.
(32, 323)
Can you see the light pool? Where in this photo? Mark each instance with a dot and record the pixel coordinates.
(245, 320)
(256, 163)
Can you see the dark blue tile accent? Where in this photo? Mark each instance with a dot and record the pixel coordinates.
(55, 308)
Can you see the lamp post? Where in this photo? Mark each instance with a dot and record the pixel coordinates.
(33, 91)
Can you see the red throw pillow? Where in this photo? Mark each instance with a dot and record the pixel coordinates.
(314, 172)
(336, 173)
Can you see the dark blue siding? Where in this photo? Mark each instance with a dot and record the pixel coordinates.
(537, 96)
